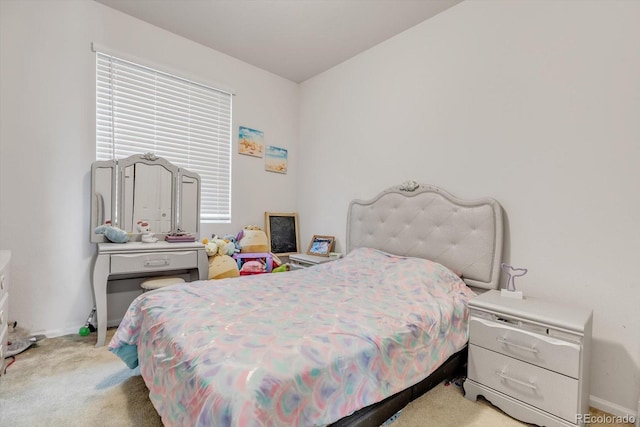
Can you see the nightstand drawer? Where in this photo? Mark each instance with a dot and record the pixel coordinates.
(538, 387)
(153, 261)
(532, 347)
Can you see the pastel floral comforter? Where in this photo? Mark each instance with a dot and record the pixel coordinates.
(302, 348)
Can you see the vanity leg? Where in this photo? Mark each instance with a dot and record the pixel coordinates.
(203, 265)
(100, 276)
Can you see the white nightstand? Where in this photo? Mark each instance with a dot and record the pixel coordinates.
(298, 261)
(530, 357)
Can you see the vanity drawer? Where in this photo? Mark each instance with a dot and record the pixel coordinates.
(544, 389)
(157, 261)
(532, 347)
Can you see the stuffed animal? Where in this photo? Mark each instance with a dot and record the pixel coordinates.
(210, 248)
(145, 231)
(112, 234)
(252, 267)
(281, 269)
(221, 246)
(233, 239)
(253, 240)
(222, 267)
(226, 247)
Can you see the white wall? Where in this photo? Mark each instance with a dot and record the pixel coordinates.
(47, 144)
(534, 103)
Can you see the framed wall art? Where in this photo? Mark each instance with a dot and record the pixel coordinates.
(275, 159)
(250, 142)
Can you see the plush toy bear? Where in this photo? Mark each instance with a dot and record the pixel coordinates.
(145, 230)
(112, 234)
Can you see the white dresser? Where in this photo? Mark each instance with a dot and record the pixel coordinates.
(530, 357)
(5, 258)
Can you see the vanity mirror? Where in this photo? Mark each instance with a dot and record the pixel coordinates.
(144, 187)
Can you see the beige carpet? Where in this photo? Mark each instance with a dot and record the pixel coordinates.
(67, 382)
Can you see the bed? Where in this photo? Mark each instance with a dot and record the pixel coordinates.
(348, 342)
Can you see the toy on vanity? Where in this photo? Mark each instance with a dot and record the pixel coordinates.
(112, 233)
(145, 232)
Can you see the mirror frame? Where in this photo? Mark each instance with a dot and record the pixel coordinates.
(151, 160)
(117, 196)
(98, 214)
(179, 221)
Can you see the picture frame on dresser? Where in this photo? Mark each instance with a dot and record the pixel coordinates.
(320, 245)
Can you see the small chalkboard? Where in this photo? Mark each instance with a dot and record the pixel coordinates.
(282, 232)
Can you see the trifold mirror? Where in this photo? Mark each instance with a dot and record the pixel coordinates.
(144, 187)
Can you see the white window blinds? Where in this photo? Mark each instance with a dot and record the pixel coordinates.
(141, 110)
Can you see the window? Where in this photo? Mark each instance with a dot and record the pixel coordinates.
(141, 110)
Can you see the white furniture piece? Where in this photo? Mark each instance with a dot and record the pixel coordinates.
(137, 259)
(5, 258)
(144, 188)
(530, 358)
(298, 261)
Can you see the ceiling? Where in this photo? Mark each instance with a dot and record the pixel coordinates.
(295, 39)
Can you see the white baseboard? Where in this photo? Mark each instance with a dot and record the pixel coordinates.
(53, 333)
(614, 409)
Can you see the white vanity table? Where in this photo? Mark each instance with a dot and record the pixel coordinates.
(122, 260)
(151, 189)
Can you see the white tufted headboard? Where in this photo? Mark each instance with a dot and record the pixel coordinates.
(426, 222)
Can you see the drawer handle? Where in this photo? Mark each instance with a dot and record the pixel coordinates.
(504, 376)
(518, 346)
(156, 262)
(2, 283)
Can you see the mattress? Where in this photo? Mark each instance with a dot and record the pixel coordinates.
(305, 348)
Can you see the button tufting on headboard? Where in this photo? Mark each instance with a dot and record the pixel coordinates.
(427, 222)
